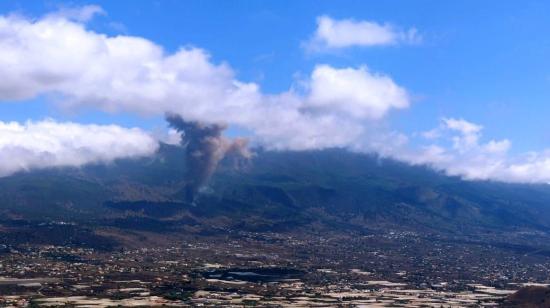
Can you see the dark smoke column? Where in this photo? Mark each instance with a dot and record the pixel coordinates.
(205, 148)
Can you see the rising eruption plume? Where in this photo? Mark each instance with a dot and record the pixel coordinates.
(205, 147)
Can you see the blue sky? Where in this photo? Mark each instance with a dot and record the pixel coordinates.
(481, 61)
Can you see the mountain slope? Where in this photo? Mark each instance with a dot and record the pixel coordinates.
(274, 191)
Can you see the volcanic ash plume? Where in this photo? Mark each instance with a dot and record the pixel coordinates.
(206, 147)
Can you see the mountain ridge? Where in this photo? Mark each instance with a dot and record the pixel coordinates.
(332, 190)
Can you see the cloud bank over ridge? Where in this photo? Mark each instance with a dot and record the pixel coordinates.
(47, 144)
(57, 56)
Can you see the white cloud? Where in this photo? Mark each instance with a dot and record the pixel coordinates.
(472, 159)
(44, 144)
(501, 146)
(462, 126)
(469, 133)
(356, 92)
(431, 134)
(81, 14)
(334, 34)
(170, 136)
(60, 57)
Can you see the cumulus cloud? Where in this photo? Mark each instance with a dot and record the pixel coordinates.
(469, 157)
(356, 92)
(44, 144)
(335, 34)
(60, 57)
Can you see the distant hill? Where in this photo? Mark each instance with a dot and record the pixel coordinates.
(274, 191)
